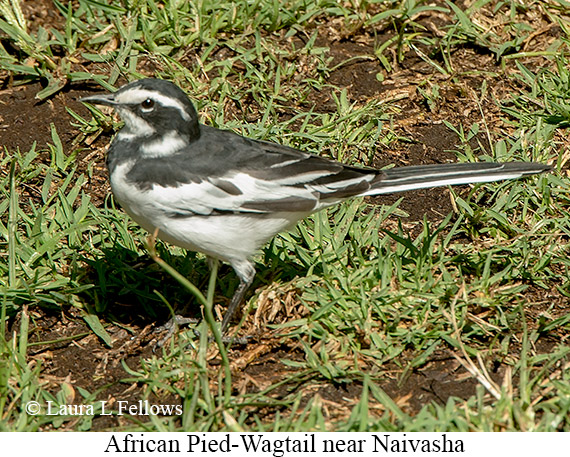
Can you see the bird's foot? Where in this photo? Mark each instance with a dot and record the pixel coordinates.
(171, 326)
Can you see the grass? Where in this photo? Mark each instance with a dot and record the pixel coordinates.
(371, 300)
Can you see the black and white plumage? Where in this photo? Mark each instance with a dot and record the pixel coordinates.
(225, 195)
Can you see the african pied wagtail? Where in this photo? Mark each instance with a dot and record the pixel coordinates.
(219, 193)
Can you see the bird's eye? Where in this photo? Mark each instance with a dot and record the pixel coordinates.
(148, 104)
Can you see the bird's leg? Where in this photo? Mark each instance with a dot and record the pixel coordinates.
(236, 300)
(246, 273)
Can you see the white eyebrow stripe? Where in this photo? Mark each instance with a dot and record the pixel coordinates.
(135, 95)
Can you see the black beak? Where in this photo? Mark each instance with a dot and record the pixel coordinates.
(103, 99)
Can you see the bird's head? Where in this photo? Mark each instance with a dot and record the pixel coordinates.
(152, 107)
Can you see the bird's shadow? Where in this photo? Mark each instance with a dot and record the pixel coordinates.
(131, 288)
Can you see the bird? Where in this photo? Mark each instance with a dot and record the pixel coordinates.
(225, 195)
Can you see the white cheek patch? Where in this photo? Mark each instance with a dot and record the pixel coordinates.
(136, 96)
(166, 145)
(135, 126)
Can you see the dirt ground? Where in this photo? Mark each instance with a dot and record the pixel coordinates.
(88, 363)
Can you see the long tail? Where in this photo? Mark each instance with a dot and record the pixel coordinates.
(422, 176)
